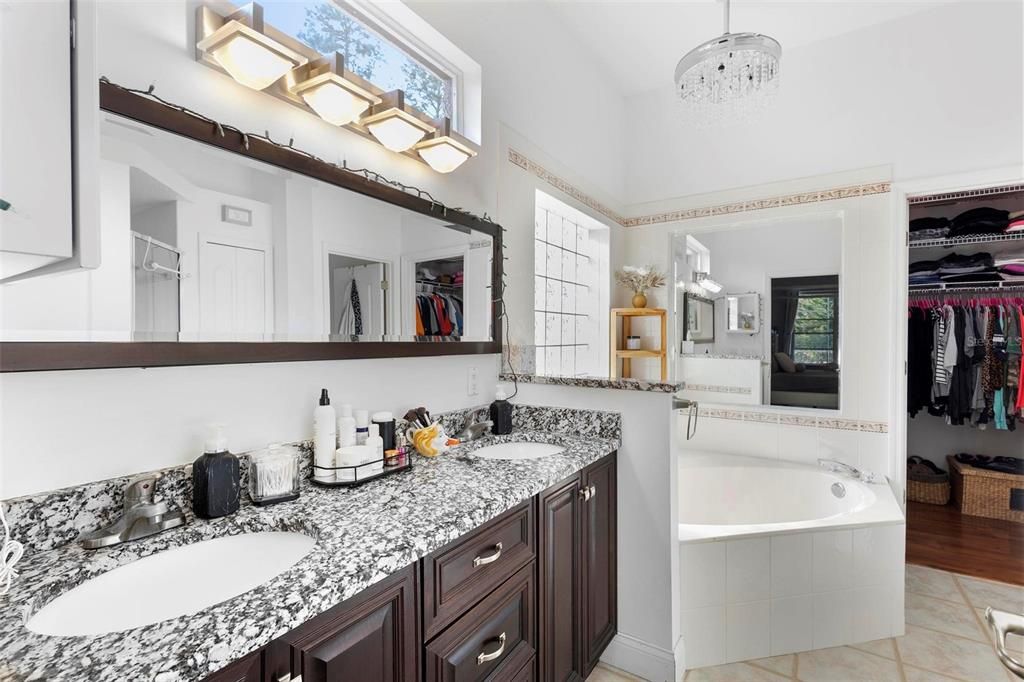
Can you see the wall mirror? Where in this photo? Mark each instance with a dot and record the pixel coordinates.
(252, 254)
(699, 317)
(781, 345)
(743, 313)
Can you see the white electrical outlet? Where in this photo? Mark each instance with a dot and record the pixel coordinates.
(472, 385)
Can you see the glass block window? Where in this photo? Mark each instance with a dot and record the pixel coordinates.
(329, 26)
(566, 295)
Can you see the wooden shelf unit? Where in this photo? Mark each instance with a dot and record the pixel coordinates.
(617, 354)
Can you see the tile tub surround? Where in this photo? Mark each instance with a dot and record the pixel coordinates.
(52, 519)
(783, 593)
(946, 639)
(595, 382)
(363, 534)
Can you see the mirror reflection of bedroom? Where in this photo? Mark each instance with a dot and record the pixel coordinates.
(758, 313)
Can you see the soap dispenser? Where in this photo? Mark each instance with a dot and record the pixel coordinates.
(215, 478)
(501, 413)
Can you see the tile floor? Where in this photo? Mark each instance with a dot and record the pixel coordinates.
(946, 640)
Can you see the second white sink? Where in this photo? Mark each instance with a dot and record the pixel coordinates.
(170, 584)
(518, 451)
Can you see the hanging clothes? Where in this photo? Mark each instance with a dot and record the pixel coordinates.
(439, 314)
(351, 321)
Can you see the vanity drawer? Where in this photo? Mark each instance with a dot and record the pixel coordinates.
(493, 641)
(460, 574)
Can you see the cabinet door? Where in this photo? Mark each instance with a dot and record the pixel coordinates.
(560, 585)
(371, 637)
(35, 134)
(600, 594)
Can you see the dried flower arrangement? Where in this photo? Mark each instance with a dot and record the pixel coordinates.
(639, 280)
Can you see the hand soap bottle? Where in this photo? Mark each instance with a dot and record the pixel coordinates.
(215, 478)
(501, 413)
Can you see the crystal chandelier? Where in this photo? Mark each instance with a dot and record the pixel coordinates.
(728, 78)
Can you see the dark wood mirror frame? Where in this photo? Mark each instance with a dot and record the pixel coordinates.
(38, 356)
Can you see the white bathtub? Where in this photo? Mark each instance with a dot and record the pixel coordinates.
(772, 562)
(724, 496)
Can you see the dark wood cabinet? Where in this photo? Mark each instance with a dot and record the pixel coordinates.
(600, 576)
(577, 564)
(530, 595)
(559, 561)
(372, 636)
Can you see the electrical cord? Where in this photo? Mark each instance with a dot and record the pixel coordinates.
(10, 553)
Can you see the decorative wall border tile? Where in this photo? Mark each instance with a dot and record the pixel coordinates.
(807, 421)
(817, 196)
(713, 388)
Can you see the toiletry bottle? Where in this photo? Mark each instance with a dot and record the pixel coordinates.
(376, 446)
(385, 421)
(324, 438)
(215, 478)
(501, 413)
(346, 427)
(362, 426)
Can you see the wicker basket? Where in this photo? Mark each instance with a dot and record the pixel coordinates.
(929, 493)
(980, 492)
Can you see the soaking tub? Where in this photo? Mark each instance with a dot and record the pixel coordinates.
(778, 557)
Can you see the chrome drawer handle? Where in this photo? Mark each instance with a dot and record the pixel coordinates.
(482, 560)
(593, 492)
(585, 494)
(287, 677)
(483, 658)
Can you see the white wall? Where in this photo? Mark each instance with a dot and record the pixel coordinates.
(936, 92)
(124, 421)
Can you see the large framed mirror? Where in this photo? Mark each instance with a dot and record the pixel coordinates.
(221, 248)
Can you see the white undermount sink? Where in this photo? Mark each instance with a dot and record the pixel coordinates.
(518, 451)
(170, 584)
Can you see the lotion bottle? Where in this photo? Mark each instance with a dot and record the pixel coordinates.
(375, 444)
(324, 438)
(346, 427)
(501, 413)
(362, 426)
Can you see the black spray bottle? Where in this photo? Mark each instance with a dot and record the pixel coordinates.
(215, 479)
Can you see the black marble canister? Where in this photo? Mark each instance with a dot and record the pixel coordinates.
(215, 485)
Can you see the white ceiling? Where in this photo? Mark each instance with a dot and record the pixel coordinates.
(639, 42)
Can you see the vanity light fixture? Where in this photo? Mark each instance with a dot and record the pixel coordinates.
(237, 44)
(395, 125)
(703, 280)
(337, 96)
(445, 150)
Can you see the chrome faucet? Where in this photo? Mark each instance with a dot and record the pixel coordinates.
(837, 467)
(142, 517)
(475, 428)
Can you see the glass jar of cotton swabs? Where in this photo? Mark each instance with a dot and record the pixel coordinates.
(274, 474)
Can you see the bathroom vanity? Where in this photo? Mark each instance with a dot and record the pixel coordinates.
(529, 595)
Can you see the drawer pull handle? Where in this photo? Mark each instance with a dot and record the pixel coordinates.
(287, 677)
(483, 658)
(585, 494)
(490, 559)
(593, 492)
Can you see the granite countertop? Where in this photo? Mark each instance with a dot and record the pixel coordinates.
(595, 382)
(363, 534)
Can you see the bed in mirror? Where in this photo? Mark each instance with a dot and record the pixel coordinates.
(211, 255)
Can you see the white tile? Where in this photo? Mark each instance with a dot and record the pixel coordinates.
(702, 574)
(898, 613)
(877, 552)
(833, 560)
(704, 636)
(755, 439)
(833, 618)
(747, 631)
(873, 452)
(747, 570)
(872, 613)
(713, 435)
(792, 624)
(933, 583)
(1002, 596)
(792, 564)
(798, 443)
(839, 444)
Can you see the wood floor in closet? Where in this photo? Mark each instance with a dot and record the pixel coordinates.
(941, 537)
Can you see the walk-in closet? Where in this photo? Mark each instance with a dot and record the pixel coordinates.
(965, 399)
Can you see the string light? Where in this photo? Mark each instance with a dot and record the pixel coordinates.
(371, 175)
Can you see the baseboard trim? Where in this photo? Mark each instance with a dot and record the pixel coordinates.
(639, 658)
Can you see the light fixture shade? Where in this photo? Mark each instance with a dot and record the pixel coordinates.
(335, 104)
(251, 63)
(396, 133)
(443, 155)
